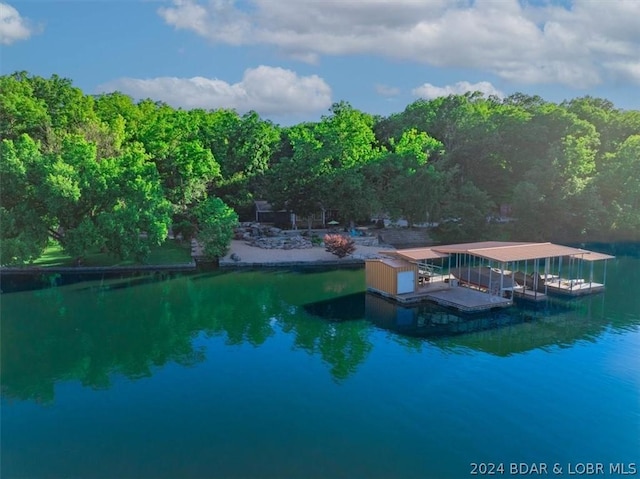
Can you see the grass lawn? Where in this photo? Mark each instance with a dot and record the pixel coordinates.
(170, 252)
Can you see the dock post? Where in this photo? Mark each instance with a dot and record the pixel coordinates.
(570, 273)
(546, 275)
(490, 286)
(559, 270)
(536, 277)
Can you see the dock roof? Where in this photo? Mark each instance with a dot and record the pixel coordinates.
(595, 256)
(526, 251)
(502, 251)
(416, 254)
(466, 247)
(393, 262)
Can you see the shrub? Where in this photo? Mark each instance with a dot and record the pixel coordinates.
(339, 245)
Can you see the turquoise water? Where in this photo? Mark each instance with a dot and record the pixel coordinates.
(303, 375)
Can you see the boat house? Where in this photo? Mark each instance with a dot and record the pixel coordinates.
(483, 275)
(391, 276)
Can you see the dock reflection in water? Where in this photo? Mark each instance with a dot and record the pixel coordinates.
(428, 320)
(526, 326)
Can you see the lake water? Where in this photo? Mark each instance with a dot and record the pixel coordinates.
(284, 374)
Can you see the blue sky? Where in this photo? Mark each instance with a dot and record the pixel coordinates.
(291, 59)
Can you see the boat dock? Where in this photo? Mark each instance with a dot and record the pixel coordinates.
(467, 300)
(444, 290)
(573, 287)
(473, 277)
(529, 294)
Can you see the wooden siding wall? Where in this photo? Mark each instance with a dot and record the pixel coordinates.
(384, 277)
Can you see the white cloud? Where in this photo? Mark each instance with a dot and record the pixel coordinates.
(628, 72)
(270, 91)
(12, 26)
(519, 40)
(219, 21)
(430, 91)
(386, 90)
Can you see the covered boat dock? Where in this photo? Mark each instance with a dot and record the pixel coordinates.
(490, 273)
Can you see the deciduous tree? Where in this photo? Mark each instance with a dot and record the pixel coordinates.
(215, 226)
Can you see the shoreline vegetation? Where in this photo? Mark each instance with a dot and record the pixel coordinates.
(106, 173)
(174, 256)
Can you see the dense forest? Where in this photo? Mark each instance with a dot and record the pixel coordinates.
(107, 173)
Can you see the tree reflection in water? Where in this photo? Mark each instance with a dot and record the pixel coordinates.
(90, 330)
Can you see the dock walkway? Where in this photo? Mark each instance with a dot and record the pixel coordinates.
(458, 297)
(468, 300)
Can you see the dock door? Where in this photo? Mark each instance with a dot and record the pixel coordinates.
(406, 282)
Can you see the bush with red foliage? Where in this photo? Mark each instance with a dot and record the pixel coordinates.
(339, 245)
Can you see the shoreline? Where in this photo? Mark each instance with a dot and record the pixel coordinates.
(98, 269)
(250, 257)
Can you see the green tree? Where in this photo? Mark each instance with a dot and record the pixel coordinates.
(467, 210)
(24, 221)
(300, 182)
(477, 135)
(68, 106)
(115, 107)
(348, 145)
(215, 222)
(244, 147)
(187, 168)
(325, 166)
(405, 181)
(115, 204)
(560, 167)
(20, 110)
(187, 173)
(619, 186)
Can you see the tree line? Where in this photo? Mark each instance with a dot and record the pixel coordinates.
(103, 172)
